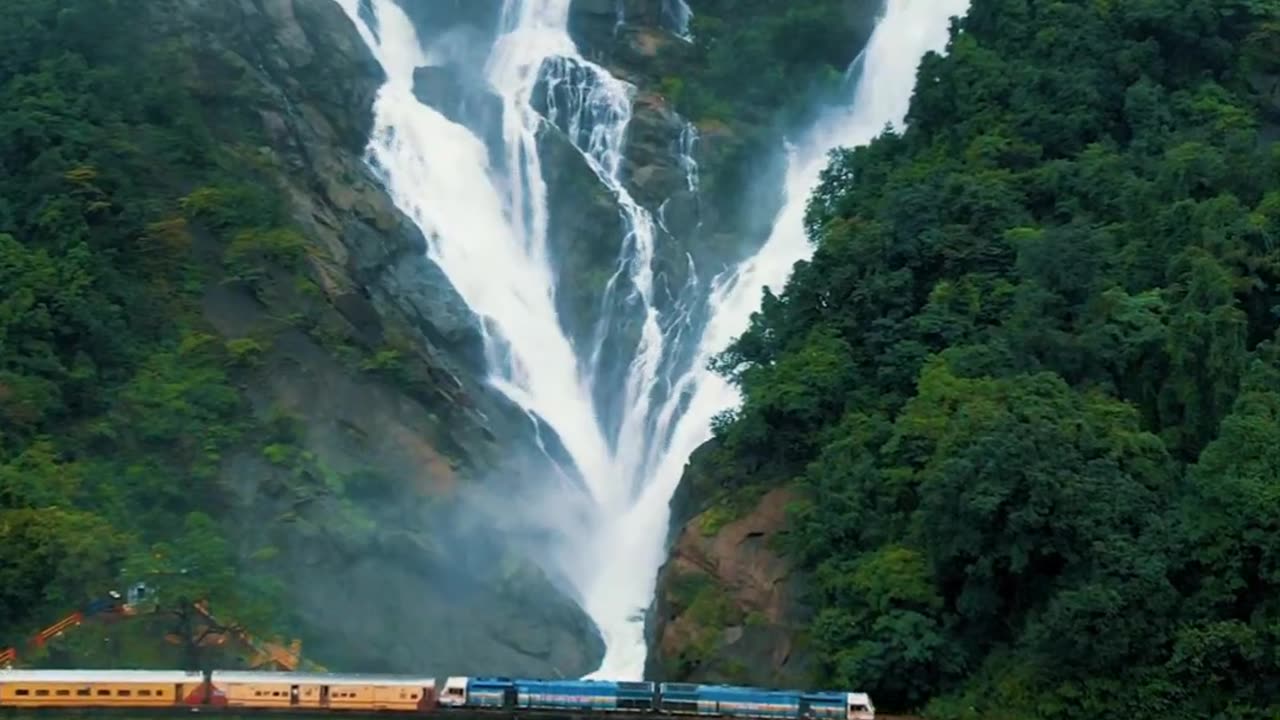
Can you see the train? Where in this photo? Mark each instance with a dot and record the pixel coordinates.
(248, 691)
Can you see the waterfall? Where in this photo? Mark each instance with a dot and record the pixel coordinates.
(688, 139)
(677, 13)
(486, 220)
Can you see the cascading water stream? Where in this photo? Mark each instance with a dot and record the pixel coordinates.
(677, 13)
(487, 229)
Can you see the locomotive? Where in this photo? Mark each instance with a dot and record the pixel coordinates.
(248, 691)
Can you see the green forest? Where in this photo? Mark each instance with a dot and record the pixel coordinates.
(1029, 382)
(117, 199)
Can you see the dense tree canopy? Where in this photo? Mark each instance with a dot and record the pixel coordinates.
(115, 404)
(1030, 379)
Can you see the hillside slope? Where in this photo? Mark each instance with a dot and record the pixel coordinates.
(1024, 402)
(212, 310)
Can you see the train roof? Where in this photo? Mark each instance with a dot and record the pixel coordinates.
(825, 694)
(696, 687)
(98, 676)
(297, 678)
(721, 686)
(723, 691)
(860, 697)
(630, 684)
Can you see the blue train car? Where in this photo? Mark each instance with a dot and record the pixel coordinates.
(824, 705)
(491, 692)
(720, 701)
(567, 694)
(585, 695)
(728, 701)
(678, 698)
(637, 696)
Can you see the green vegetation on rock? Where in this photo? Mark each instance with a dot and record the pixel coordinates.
(755, 68)
(122, 203)
(708, 610)
(750, 54)
(1030, 380)
(116, 404)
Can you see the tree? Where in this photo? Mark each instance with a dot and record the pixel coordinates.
(196, 585)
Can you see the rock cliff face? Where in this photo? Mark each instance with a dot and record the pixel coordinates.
(728, 607)
(370, 368)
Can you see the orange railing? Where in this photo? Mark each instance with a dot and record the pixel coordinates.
(57, 628)
(263, 653)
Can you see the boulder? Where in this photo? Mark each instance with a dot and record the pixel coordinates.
(653, 171)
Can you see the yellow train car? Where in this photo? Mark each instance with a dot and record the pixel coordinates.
(311, 691)
(98, 688)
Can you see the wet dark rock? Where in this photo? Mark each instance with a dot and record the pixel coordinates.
(653, 169)
(466, 103)
(585, 230)
(435, 17)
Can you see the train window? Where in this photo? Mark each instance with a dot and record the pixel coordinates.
(83, 692)
(62, 693)
(144, 693)
(22, 692)
(103, 692)
(42, 693)
(124, 693)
